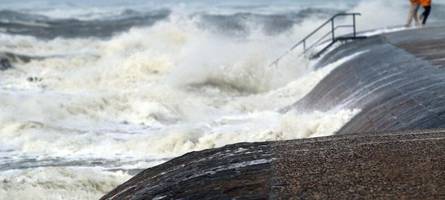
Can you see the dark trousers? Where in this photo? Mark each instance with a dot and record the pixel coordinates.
(425, 14)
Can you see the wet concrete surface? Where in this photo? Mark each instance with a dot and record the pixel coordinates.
(398, 82)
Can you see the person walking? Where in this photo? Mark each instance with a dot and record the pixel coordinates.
(414, 7)
(426, 4)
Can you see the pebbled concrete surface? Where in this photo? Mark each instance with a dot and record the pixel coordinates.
(397, 165)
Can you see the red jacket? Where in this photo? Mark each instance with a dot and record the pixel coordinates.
(425, 2)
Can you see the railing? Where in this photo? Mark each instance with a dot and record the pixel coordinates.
(322, 40)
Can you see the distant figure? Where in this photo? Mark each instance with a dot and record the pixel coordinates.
(426, 4)
(414, 7)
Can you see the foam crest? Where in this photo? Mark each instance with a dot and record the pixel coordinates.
(38, 139)
(58, 183)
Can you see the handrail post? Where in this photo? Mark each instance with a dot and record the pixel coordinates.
(333, 29)
(304, 45)
(353, 22)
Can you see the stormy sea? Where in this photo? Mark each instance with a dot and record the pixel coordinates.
(95, 91)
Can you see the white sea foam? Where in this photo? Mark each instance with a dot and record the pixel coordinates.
(103, 126)
(58, 183)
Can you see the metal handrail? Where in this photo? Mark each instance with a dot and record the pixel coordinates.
(331, 21)
(322, 41)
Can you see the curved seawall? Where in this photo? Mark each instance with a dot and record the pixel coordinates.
(373, 166)
(397, 81)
